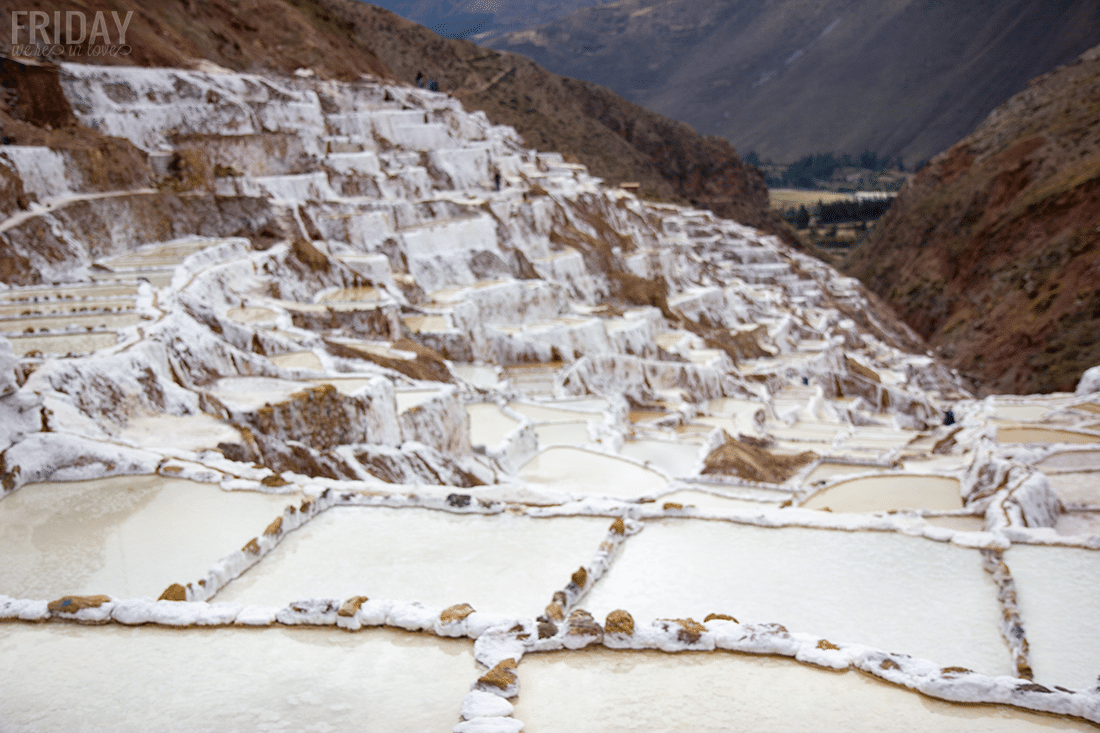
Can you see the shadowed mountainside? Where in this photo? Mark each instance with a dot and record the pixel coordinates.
(992, 253)
(791, 77)
(342, 39)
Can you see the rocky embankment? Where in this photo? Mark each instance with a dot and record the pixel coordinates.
(993, 252)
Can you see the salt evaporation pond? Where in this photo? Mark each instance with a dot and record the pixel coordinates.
(1043, 435)
(63, 343)
(66, 677)
(882, 493)
(569, 433)
(828, 470)
(488, 425)
(180, 432)
(298, 360)
(126, 536)
(497, 563)
(1058, 592)
(906, 594)
(603, 691)
(575, 471)
(675, 459)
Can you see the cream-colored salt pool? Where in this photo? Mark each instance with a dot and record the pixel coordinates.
(65, 677)
(63, 343)
(1043, 435)
(61, 322)
(184, 432)
(488, 425)
(569, 433)
(675, 459)
(499, 563)
(828, 470)
(125, 536)
(893, 592)
(1058, 595)
(882, 493)
(575, 471)
(298, 360)
(598, 690)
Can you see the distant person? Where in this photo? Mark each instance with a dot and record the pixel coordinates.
(433, 85)
(420, 80)
(496, 180)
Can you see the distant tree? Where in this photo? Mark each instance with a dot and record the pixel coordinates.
(868, 160)
(753, 159)
(802, 220)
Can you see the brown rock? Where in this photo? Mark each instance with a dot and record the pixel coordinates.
(456, 613)
(826, 644)
(581, 623)
(719, 617)
(501, 676)
(547, 629)
(618, 526)
(889, 664)
(174, 592)
(350, 607)
(274, 481)
(72, 604)
(580, 577)
(672, 505)
(275, 527)
(252, 546)
(619, 622)
(555, 612)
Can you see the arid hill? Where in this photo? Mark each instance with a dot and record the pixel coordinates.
(790, 77)
(992, 253)
(342, 39)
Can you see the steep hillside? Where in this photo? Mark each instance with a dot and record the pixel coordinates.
(993, 252)
(791, 77)
(482, 20)
(343, 39)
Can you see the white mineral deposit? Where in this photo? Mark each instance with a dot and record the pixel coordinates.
(258, 473)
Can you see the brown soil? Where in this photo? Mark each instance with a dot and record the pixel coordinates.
(737, 458)
(992, 253)
(428, 363)
(174, 592)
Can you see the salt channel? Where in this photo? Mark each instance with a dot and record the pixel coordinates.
(126, 536)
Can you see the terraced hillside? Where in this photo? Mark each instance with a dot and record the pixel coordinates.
(309, 371)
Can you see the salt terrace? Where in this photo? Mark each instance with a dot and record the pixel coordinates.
(560, 458)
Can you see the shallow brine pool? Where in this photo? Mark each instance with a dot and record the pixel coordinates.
(125, 536)
(498, 563)
(66, 677)
(900, 594)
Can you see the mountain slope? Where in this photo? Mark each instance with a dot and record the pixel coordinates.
(342, 39)
(791, 77)
(993, 251)
(481, 20)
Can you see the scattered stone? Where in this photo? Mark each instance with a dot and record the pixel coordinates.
(456, 613)
(547, 629)
(174, 592)
(72, 604)
(619, 622)
(719, 617)
(350, 607)
(501, 676)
